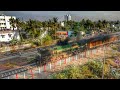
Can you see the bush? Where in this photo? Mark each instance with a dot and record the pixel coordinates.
(91, 70)
(14, 42)
(47, 40)
(74, 72)
(95, 67)
(36, 43)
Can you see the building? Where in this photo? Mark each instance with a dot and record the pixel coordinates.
(5, 22)
(63, 34)
(67, 17)
(6, 30)
(62, 24)
(8, 35)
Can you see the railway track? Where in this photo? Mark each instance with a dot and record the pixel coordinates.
(7, 73)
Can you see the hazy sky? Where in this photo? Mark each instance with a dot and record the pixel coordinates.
(109, 15)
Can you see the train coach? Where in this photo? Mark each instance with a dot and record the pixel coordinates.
(102, 40)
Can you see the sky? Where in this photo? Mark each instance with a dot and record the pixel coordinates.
(76, 15)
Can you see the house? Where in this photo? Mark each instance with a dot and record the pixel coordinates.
(7, 32)
(63, 34)
(8, 35)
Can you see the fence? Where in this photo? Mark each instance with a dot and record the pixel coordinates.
(37, 72)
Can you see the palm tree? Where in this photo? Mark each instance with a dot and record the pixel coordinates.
(12, 22)
(30, 29)
(104, 23)
(83, 22)
(99, 24)
(18, 24)
(49, 24)
(55, 23)
(44, 24)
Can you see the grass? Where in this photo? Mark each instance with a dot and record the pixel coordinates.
(90, 70)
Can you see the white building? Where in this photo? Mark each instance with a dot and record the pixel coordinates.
(5, 22)
(6, 36)
(67, 17)
(62, 24)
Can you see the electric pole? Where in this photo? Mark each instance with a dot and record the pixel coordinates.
(103, 64)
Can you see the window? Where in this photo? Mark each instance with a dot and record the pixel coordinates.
(9, 35)
(3, 36)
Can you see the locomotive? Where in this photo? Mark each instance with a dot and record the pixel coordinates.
(63, 51)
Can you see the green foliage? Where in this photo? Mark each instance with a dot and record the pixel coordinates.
(47, 40)
(75, 72)
(36, 43)
(14, 42)
(95, 67)
(114, 48)
(12, 22)
(60, 76)
(91, 70)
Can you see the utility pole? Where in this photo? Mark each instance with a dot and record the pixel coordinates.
(40, 37)
(103, 64)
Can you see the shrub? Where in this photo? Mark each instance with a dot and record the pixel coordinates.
(91, 70)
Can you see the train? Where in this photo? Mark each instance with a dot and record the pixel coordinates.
(63, 51)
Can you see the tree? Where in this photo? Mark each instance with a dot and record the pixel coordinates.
(49, 24)
(32, 28)
(12, 22)
(47, 40)
(99, 24)
(18, 24)
(45, 25)
(88, 23)
(83, 22)
(55, 23)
